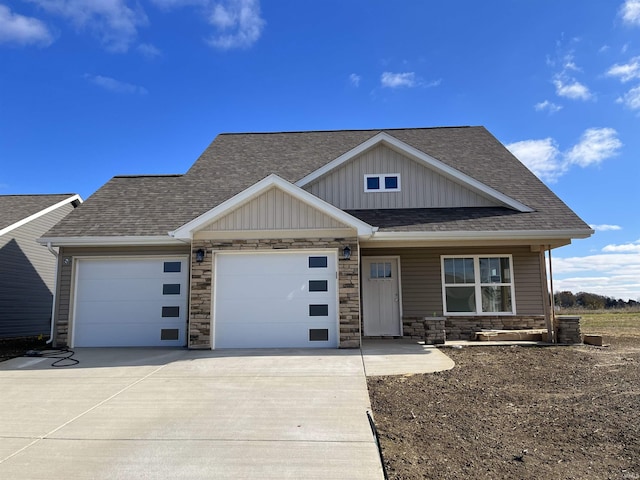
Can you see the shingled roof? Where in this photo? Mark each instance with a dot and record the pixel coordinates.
(14, 208)
(155, 205)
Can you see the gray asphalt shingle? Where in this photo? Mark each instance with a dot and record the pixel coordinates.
(154, 205)
(14, 208)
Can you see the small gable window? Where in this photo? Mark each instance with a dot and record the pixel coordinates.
(388, 182)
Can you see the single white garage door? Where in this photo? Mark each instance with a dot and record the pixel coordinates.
(130, 303)
(275, 300)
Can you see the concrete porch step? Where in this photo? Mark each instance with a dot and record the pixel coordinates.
(531, 335)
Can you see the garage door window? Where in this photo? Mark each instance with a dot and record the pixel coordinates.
(318, 285)
(317, 262)
(318, 310)
(171, 289)
(172, 267)
(168, 312)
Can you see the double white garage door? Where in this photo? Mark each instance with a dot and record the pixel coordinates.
(260, 300)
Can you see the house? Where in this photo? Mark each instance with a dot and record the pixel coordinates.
(27, 271)
(312, 239)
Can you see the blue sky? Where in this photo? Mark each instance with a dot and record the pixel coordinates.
(90, 89)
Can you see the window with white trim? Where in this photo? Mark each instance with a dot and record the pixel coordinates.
(478, 285)
(386, 182)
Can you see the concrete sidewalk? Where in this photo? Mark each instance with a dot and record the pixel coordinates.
(156, 414)
(402, 357)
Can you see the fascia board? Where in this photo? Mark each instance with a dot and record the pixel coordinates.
(421, 157)
(273, 180)
(36, 215)
(108, 241)
(482, 235)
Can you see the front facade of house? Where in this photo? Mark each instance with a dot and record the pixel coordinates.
(312, 239)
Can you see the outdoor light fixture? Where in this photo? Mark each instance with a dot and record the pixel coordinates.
(346, 252)
(200, 255)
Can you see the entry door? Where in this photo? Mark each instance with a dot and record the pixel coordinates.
(381, 296)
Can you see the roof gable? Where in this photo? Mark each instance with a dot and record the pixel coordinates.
(17, 210)
(331, 216)
(422, 158)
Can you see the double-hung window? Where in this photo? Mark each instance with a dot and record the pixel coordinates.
(478, 285)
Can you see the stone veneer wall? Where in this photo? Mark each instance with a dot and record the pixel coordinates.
(202, 283)
(429, 329)
(568, 329)
(464, 328)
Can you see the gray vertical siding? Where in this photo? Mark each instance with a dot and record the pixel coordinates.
(422, 287)
(420, 187)
(274, 210)
(27, 277)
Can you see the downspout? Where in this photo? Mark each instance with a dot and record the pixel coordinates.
(553, 302)
(53, 300)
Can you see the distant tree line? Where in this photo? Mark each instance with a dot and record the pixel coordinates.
(590, 301)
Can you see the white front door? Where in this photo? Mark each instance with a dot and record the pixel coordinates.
(381, 296)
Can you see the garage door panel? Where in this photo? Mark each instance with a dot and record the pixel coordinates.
(263, 300)
(119, 302)
(270, 336)
(284, 288)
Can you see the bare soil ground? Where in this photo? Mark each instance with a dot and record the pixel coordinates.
(16, 347)
(518, 412)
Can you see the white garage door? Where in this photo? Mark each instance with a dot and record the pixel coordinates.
(275, 300)
(130, 303)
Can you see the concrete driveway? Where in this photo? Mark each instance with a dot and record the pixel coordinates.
(178, 414)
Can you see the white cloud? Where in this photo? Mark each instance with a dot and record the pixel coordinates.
(605, 228)
(148, 50)
(626, 72)
(355, 79)
(547, 162)
(21, 30)
(595, 146)
(542, 157)
(112, 21)
(167, 4)
(547, 106)
(114, 85)
(612, 274)
(571, 88)
(395, 80)
(624, 248)
(238, 24)
(631, 99)
(630, 12)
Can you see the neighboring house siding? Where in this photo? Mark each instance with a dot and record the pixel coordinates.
(420, 187)
(274, 210)
(64, 293)
(27, 277)
(422, 287)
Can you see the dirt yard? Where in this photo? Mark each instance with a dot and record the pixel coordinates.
(518, 412)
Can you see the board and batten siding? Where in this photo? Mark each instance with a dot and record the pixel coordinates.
(420, 187)
(274, 209)
(27, 277)
(422, 286)
(64, 291)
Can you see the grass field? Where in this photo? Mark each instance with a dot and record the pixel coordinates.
(610, 323)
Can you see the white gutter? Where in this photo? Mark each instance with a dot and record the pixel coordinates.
(483, 235)
(108, 241)
(55, 286)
